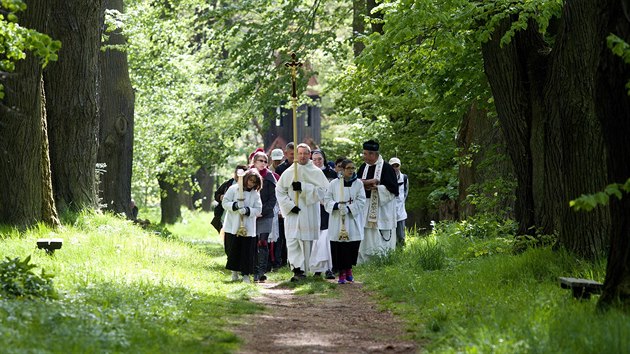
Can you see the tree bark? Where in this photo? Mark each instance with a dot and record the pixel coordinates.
(506, 76)
(24, 169)
(116, 123)
(72, 102)
(614, 111)
(169, 202)
(545, 98)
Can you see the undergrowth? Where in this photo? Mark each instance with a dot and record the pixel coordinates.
(484, 292)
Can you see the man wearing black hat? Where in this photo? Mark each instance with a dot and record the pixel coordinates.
(381, 189)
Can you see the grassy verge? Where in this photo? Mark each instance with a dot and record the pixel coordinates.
(465, 295)
(123, 289)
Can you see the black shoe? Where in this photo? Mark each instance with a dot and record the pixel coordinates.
(262, 278)
(317, 275)
(298, 277)
(330, 274)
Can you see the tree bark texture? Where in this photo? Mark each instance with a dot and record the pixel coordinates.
(169, 202)
(546, 101)
(116, 123)
(507, 78)
(24, 170)
(614, 112)
(72, 102)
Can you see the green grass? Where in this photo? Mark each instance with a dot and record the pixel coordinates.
(496, 302)
(123, 289)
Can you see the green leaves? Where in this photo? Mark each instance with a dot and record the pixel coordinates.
(588, 202)
(16, 40)
(17, 280)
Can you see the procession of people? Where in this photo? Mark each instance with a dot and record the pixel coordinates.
(315, 217)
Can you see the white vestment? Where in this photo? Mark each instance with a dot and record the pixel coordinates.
(301, 228)
(377, 239)
(233, 218)
(354, 196)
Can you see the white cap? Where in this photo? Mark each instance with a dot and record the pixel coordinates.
(394, 160)
(277, 154)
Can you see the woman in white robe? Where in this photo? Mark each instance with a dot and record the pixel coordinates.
(242, 210)
(345, 205)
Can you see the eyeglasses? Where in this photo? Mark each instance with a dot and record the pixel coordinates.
(263, 161)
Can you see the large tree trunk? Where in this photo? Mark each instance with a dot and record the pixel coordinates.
(169, 202)
(507, 77)
(72, 102)
(614, 112)
(117, 122)
(545, 98)
(572, 107)
(25, 197)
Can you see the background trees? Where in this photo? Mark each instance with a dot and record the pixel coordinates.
(451, 87)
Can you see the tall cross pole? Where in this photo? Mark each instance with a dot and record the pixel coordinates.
(294, 65)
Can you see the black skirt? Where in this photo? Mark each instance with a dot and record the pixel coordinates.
(344, 254)
(241, 252)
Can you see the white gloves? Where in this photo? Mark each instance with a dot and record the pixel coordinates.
(241, 203)
(243, 211)
(343, 210)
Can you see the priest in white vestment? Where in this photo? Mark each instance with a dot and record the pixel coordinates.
(301, 218)
(381, 189)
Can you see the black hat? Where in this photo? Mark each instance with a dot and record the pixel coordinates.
(370, 145)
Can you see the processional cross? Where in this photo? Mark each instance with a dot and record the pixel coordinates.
(294, 65)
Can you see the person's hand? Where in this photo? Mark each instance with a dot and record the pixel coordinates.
(343, 210)
(243, 211)
(297, 186)
(295, 210)
(241, 203)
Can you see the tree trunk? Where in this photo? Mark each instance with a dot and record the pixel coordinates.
(117, 122)
(169, 202)
(72, 102)
(506, 76)
(614, 111)
(377, 17)
(545, 98)
(358, 26)
(571, 103)
(24, 169)
(205, 181)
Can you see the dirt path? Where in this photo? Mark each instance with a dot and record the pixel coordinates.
(316, 323)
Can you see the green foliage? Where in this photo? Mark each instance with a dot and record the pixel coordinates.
(620, 48)
(479, 236)
(17, 280)
(498, 303)
(588, 202)
(16, 40)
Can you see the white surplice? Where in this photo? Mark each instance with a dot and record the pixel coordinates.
(301, 228)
